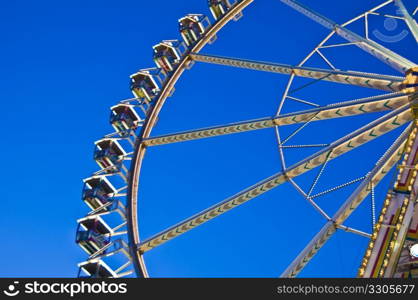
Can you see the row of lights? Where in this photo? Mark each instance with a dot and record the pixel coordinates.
(414, 249)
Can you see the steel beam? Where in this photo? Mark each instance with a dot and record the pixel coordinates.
(345, 144)
(369, 80)
(338, 110)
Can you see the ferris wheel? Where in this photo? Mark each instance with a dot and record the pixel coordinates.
(109, 234)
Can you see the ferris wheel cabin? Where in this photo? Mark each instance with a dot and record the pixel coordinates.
(109, 154)
(124, 118)
(95, 269)
(192, 27)
(167, 54)
(219, 7)
(97, 191)
(93, 234)
(144, 85)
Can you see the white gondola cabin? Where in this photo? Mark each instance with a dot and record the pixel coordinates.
(124, 118)
(93, 234)
(167, 54)
(219, 7)
(192, 27)
(95, 269)
(109, 154)
(144, 84)
(97, 191)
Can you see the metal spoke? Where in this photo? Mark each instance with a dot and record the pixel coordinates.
(376, 81)
(285, 94)
(385, 55)
(326, 60)
(123, 267)
(339, 45)
(345, 144)
(366, 26)
(303, 101)
(309, 199)
(381, 168)
(387, 16)
(294, 90)
(279, 142)
(277, 128)
(338, 187)
(373, 205)
(355, 231)
(304, 146)
(320, 45)
(338, 110)
(321, 171)
(298, 129)
(412, 24)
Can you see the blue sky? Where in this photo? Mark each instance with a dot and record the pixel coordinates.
(64, 64)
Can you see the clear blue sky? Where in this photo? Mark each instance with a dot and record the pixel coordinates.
(64, 63)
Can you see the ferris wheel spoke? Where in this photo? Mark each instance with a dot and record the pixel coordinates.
(298, 130)
(280, 148)
(355, 231)
(338, 110)
(387, 16)
(381, 168)
(369, 80)
(309, 199)
(412, 24)
(338, 187)
(310, 250)
(304, 146)
(318, 176)
(325, 59)
(385, 55)
(338, 45)
(303, 101)
(345, 144)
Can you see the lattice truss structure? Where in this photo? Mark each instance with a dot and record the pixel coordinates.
(109, 233)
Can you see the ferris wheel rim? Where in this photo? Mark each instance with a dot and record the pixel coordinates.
(149, 123)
